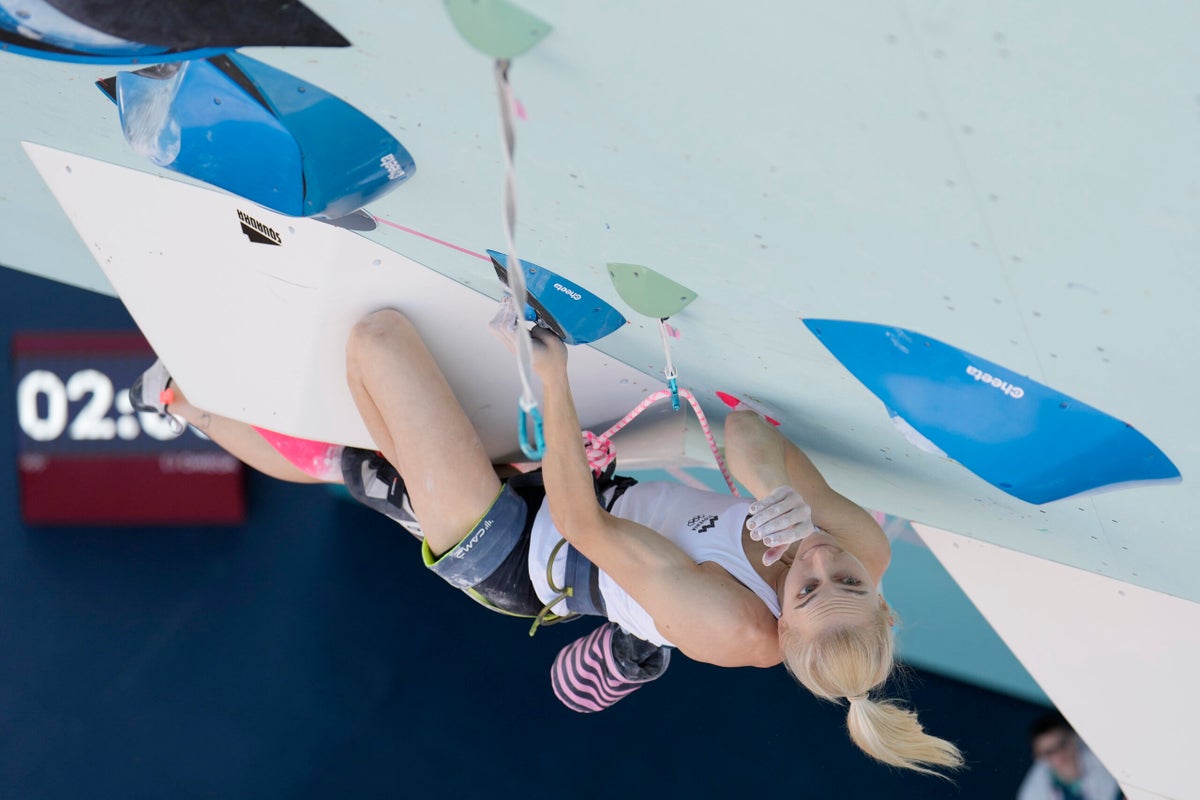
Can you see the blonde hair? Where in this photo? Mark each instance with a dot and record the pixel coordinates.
(849, 662)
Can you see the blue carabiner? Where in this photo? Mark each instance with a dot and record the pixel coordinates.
(674, 384)
(538, 450)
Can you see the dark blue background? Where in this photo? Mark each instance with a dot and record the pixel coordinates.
(308, 654)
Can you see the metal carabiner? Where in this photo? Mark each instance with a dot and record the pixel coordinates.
(537, 450)
(673, 384)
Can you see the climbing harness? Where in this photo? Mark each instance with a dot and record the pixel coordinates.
(601, 457)
(581, 592)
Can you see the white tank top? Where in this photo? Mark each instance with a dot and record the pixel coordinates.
(705, 525)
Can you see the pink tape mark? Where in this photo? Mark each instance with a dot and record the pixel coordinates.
(519, 107)
(738, 405)
(312, 458)
(433, 239)
(672, 332)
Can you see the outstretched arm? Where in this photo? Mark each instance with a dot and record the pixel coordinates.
(763, 460)
(244, 443)
(704, 611)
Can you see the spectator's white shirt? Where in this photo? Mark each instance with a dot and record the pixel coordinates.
(1097, 784)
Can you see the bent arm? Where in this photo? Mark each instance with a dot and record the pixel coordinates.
(762, 459)
(708, 615)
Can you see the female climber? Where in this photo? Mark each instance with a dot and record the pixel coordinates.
(792, 576)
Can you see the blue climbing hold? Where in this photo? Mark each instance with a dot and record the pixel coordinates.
(563, 306)
(259, 133)
(1021, 436)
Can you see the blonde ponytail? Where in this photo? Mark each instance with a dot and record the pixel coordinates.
(849, 662)
(887, 732)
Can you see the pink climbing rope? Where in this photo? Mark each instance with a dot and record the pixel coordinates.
(600, 449)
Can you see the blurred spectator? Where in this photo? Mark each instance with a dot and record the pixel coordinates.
(1064, 768)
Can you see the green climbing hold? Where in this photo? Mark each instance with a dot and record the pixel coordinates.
(649, 293)
(497, 28)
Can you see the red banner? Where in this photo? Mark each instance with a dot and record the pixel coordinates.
(86, 456)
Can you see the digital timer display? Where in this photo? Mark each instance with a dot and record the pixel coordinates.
(77, 428)
(44, 409)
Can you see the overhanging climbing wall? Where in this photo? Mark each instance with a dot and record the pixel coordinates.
(982, 176)
(1017, 182)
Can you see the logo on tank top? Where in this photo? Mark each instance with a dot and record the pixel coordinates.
(702, 522)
